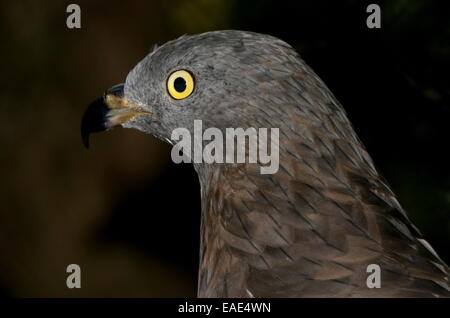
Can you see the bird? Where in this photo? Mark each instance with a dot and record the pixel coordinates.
(314, 227)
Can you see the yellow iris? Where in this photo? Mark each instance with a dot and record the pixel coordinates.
(180, 84)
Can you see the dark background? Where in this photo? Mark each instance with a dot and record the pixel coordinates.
(123, 211)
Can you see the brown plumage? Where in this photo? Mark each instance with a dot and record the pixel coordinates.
(312, 228)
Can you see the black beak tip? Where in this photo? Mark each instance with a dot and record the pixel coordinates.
(94, 120)
(95, 117)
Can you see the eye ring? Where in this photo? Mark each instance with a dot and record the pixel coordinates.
(180, 84)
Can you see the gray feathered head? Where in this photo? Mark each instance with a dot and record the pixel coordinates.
(224, 78)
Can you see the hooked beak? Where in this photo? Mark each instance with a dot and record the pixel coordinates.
(108, 111)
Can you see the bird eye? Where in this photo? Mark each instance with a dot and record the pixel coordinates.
(180, 84)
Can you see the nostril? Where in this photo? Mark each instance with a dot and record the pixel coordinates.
(116, 90)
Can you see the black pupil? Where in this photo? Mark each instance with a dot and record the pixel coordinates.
(179, 84)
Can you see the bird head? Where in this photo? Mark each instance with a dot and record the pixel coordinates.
(224, 78)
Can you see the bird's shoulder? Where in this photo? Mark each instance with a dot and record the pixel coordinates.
(312, 228)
